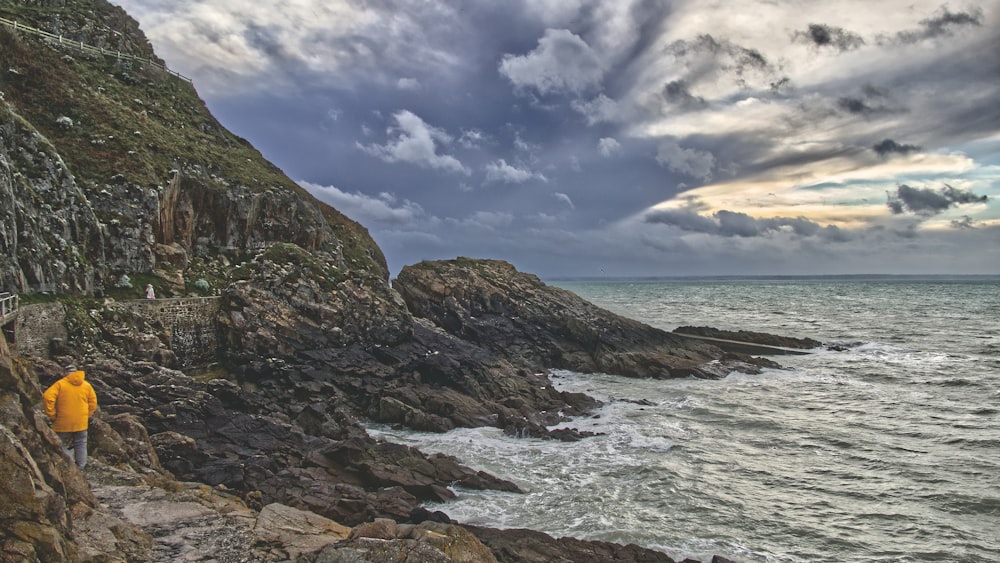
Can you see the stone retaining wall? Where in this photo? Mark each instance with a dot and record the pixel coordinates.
(36, 326)
(190, 323)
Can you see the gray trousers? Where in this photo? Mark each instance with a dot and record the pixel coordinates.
(76, 441)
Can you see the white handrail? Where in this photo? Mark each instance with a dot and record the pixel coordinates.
(8, 304)
(88, 48)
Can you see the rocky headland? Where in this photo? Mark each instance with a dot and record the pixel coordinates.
(113, 175)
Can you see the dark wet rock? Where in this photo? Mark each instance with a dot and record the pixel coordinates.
(200, 438)
(294, 341)
(516, 315)
(751, 337)
(529, 546)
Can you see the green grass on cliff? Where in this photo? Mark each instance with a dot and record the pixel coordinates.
(299, 263)
(129, 122)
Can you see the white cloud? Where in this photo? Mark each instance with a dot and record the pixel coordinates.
(486, 220)
(471, 138)
(524, 146)
(601, 109)
(608, 146)
(500, 171)
(408, 84)
(221, 43)
(414, 141)
(694, 163)
(562, 63)
(555, 12)
(564, 198)
(384, 209)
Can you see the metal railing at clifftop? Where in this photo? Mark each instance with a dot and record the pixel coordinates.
(89, 48)
(8, 305)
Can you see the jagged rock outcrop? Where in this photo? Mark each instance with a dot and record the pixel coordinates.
(293, 332)
(752, 337)
(516, 315)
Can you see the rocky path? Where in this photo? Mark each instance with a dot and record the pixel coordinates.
(185, 521)
(172, 521)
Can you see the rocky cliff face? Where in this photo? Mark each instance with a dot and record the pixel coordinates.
(50, 237)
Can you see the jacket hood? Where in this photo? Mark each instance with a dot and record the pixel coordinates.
(75, 377)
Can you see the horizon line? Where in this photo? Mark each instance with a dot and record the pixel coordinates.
(778, 277)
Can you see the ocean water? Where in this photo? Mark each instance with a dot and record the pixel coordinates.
(887, 451)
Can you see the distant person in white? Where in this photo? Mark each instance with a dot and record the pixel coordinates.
(150, 292)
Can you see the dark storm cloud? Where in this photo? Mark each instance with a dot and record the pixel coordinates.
(925, 201)
(872, 100)
(833, 233)
(684, 220)
(677, 94)
(888, 147)
(823, 35)
(707, 56)
(965, 222)
(945, 23)
(799, 225)
(854, 105)
(736, 224)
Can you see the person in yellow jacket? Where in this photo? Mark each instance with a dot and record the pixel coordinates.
(70, 402)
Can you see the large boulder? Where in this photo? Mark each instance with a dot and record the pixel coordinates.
(296, 531)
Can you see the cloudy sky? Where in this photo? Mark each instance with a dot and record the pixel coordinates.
(622, 137)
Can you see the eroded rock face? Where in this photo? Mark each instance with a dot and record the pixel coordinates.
(516, 315)
(50, 238)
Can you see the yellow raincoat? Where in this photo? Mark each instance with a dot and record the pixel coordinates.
(70, 402)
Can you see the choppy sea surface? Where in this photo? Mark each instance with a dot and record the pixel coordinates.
(887, 451)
